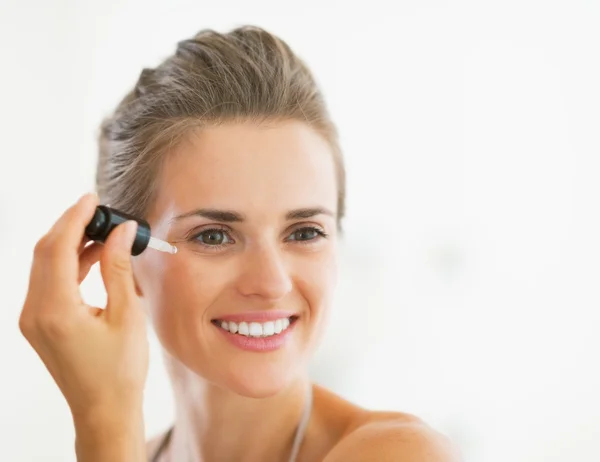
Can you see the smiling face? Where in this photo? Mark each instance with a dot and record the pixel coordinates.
(252, 211)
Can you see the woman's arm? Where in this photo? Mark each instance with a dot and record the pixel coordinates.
(97, 357)
(115, 435)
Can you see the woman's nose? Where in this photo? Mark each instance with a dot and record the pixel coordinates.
(264, 274)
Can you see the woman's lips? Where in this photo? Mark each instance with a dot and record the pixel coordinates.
(259, 337)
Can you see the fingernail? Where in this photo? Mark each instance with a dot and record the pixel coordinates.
(130, 231)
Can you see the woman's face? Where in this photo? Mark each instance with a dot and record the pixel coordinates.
(248, 208)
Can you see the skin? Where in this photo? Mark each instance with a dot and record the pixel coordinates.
(226, 398)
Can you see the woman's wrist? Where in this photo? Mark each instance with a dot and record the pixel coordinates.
(110, 434)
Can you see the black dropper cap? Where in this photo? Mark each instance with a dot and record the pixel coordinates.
(106, 219)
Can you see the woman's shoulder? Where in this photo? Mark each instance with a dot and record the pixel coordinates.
(363, 434)
(341, 431)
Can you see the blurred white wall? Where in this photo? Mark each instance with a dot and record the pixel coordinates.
(469, 285)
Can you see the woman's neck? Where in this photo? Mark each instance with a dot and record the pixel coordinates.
(212, 423)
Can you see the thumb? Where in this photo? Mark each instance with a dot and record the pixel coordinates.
(117, 273)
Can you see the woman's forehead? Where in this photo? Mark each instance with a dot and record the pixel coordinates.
(242, 166)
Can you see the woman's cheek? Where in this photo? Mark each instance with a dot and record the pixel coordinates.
(319, 273)
(196, 283)
(323, 280)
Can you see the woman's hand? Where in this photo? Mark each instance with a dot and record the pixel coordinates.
(98, 357)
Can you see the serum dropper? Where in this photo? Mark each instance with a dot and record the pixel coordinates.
(105, 219)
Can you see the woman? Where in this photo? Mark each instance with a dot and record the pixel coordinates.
(227, 150)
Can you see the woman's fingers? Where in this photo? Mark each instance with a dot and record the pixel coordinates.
(93, 364)
(56, 255)
(82, 244)
(68, 232)
(117, 273)
(55, 267)
(95, 311)
(89, 256)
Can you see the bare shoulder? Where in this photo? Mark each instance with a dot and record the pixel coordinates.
(389, 436)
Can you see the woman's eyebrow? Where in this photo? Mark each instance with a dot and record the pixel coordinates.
(307, 213)
(227, 216)
(230, 216)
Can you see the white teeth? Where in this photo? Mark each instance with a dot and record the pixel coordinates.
(268, 328)
(243, 328)
(278, 326)
(256, 329)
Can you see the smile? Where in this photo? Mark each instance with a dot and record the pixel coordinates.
(256, 329)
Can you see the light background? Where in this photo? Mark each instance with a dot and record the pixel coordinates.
(469, 283)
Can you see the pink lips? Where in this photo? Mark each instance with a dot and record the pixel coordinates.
(258, 344)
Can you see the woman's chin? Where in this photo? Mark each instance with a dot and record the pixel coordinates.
(249, 374)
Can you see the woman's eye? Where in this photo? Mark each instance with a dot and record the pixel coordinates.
(218, 238)
(212, 237)
(306, 234)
